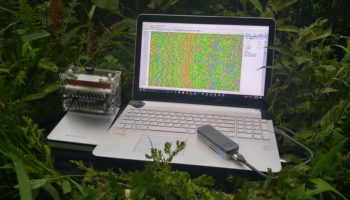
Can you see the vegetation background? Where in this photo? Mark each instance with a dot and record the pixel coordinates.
(309, 95)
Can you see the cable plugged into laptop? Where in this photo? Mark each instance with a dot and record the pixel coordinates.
(224, 146)
(228, 149)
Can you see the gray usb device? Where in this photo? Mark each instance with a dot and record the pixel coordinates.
(217, 141)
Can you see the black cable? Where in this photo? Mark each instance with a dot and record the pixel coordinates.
(240, 158)
(280, 130)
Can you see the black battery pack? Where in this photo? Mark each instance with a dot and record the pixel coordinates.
(217, 141)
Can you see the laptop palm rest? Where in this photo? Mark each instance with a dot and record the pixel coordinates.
(147, 142)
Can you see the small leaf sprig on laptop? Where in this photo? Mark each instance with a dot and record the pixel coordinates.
(158, 156)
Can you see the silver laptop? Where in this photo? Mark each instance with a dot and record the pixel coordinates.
(192, 71)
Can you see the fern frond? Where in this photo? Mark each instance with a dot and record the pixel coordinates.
(337, 114)
(29, 17)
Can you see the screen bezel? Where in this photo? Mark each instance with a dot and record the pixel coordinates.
(227, 100)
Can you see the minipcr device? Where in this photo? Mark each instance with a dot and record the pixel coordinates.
(93, 91)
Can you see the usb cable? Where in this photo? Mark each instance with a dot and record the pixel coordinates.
(240, 158)
(228, 148)
(280, 130)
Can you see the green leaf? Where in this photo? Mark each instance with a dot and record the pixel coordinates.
(112, 5)
(49, 89)
(20, 78)
(341, 47)
(257, 5)
(111, 59)
(318, 23)
(325, 34)
(4, 71)
(329, 90)
(169, 4)
(326, 160)
(280, 49)
(297, 192)
(35, 36)
(2, 31)
(66, 187)
(52, 191)
(334, 114)
(328, 67)
(38, 183)
(92, 12)
(99, 193)
(26, 48)
(279, 5)
(22, 177)
(322, 186)
(115, 185)
(301, 59)
(8, 10)
(48, 65)
(290, 29)
(342, 81)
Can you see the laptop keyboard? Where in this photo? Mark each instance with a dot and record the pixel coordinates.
(240, 126)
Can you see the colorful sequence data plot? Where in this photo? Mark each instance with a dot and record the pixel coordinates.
(197, 61)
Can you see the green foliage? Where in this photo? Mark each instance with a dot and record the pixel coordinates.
(159, 181)
(306, 60)
(22, 177)
(309, 94)
(28, 17)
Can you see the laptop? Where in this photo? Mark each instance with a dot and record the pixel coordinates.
(192, 71)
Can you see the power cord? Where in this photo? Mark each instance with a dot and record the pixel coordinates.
(280, 130)
(241, 159)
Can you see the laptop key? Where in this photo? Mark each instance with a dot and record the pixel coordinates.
(153, 123)
(213, 124)
(257, 136)
(167, 129)
(228, 125)
(223, 129)
(265, 137)
(197, 123)
(248, 131)
(136, 126)
(184, 125)
(126, 122)
(243, 135)
(227, 118)
(192, 126)
(239, 130)
(144, 127)
(256, 128)
(120, 125)
(128, 126)
(257, 131)
(192, 130)
(264, 126)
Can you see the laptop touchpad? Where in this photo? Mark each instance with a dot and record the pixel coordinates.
(146, 142)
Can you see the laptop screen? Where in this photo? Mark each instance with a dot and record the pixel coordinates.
(203, 59)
